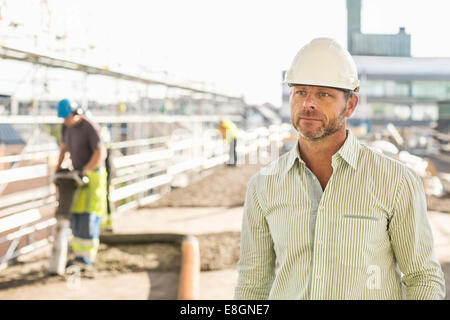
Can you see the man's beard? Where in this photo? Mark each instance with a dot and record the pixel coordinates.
(334, 126)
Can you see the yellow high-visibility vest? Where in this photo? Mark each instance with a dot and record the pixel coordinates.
(231, 129)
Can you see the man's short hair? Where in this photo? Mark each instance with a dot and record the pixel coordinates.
(347, 94)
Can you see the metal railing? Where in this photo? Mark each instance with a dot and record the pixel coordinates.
(147, 171)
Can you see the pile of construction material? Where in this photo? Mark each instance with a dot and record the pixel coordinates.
(225, 187)
(435, 183)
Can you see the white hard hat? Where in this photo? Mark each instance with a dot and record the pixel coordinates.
(323, 62)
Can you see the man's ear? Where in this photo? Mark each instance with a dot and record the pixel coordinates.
(351, 105)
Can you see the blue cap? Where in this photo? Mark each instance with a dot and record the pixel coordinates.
(64, 108)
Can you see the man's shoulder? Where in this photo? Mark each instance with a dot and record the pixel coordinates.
(272, 170)
(89, 123)
(381, 162)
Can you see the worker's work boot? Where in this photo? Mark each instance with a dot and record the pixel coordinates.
(81, 269)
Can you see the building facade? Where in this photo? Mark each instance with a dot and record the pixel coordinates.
(394, 85)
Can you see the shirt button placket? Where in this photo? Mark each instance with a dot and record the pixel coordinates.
(319, 254)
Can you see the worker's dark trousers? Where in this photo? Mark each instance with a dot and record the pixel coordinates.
(86, 230)
(107, 222)
(233, 155)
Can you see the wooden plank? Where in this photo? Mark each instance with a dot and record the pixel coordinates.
(139, 142)
(186, 165)
(135, 173)
(50, 201)
(142, 157)
(130, 205)
(24, 173)
(24, 250)
(185, 144)
(28, 230)
(149, 199)
(140, 186)
(19, 219)
(138, 203)
(29, 156)
(25, 196)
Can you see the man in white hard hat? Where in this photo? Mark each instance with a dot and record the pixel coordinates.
(333, 219)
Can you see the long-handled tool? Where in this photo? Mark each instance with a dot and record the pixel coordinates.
(68, 182)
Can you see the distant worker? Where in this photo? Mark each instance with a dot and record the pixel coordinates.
(229, 132)
(107, 223)
(332, 219)
(82, 139)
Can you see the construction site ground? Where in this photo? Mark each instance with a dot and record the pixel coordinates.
(211, 209)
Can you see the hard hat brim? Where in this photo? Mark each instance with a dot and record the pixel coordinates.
(321, 84)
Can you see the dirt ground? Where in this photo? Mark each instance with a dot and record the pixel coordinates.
(227, 186)
(153, 268)
(211, 209)
(156, 264)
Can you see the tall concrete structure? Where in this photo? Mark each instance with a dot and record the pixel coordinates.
(358, 43)
(353, 20)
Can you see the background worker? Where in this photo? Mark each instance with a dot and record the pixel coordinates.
(229, 132)
(81, 138)
(332, 218)
(107, 222)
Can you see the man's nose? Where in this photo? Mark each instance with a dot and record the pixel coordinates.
(309, 102)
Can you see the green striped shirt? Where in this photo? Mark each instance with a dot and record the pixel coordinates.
(371, 232)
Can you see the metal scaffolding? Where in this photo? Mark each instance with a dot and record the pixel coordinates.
(48, 61)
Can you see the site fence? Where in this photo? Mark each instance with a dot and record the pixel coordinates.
(145, 169)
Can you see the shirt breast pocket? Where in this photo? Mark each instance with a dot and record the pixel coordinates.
(360, 237)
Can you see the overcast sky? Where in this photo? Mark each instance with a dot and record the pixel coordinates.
(240, 46)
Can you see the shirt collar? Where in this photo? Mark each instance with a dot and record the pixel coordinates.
(293, 155)
(349, 152)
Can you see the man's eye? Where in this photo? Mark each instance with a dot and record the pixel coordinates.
(301, 92)
(324, 94)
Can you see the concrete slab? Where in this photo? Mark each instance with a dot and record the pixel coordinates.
(198, 220)
(218, 285)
